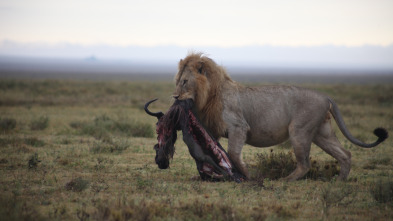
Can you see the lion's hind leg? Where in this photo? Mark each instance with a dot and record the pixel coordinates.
(301, 133)
(327, 140)
(301, 148)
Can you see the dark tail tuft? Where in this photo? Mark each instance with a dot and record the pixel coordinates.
(381, 133)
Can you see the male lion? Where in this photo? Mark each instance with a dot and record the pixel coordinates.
(264, 116)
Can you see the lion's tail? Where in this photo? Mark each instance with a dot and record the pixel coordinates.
(381, 133)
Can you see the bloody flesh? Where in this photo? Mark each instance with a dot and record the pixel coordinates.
(181, 117)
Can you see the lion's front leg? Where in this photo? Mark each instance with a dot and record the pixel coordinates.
(236, 138)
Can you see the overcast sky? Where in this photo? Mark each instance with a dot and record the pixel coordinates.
(222, 23)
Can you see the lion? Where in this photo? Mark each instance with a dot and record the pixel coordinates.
(264, 116)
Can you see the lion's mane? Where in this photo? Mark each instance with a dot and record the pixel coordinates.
(208, 94)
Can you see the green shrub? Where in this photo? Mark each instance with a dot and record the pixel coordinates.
(378, 160)
(100, 147)
(323, 170)
(77, 185)
(103, 126)
(336, 194)
(39, 123)
(33, 141)
(382, 191)
(14, 208)
(33, 161)
(97, 132)
(77, 124)
(119, 146)
(199, 210)
(369, 166)
(7, 141)
(109, 147)
(276, 165)
(381, 160)
(7, 123)
(131, 210)
(142, 183)
(135, 129)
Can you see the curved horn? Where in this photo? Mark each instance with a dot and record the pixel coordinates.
(157, 114)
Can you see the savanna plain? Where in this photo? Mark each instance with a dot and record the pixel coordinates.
(83, 150)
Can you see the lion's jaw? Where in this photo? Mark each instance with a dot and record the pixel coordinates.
(193, 86)
(199, 78)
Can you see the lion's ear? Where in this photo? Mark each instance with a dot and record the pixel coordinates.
(200, 68)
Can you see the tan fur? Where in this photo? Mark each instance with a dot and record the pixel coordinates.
(264, 116)
(207, 90)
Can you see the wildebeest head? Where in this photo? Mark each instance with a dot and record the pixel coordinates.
(166, 131)
(180, 116)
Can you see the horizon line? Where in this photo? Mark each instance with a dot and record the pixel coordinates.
(62, 43)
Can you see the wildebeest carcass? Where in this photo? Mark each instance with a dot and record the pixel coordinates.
(211, 159)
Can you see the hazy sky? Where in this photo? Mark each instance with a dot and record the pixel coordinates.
(223, 23)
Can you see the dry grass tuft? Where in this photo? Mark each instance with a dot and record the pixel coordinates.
(377, 160)
(7, 124)
(276, 165)
(13, 208)
(382, 191)
(77, 185)
(39, 123)
(33, 161)
(103, 127)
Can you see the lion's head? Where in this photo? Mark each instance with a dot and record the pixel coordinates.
(199, 78)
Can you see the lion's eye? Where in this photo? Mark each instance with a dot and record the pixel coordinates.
(185, 82)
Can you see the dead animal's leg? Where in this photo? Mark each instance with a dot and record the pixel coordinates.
(236, 139)
(198, 154)
(202, 174)
(327, 140)
(209, 160)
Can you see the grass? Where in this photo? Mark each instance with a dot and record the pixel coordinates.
(7, 124)
(39, 123)
(279, 164)
(109, 147)
(382, 191)
(102, 126)
(92, 158)
(77, 185)
(337, 194)
(33, 161)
